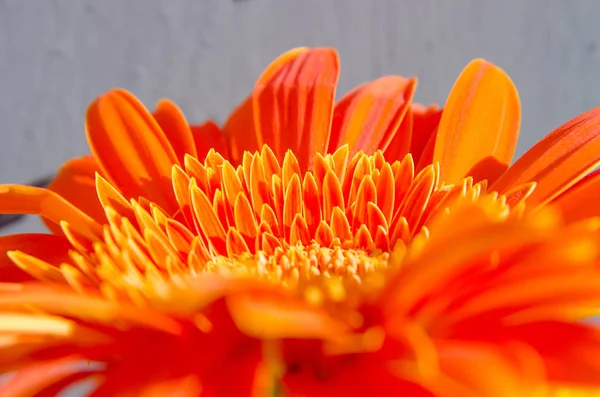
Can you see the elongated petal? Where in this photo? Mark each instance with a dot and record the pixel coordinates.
(273, 315)
(479, 126)
(130, 147)
(558, 161)
(293, 102)
(47, 247)
(17, 199)
(478, 369)
(75, 182)
(38, 376)
(582, 200)
(175, 127)
(368, 117)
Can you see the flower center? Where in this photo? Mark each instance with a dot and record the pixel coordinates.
(321, 232)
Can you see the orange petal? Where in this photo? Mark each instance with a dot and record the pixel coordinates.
(368, 117)
(570, 351)
(47, 247)
(239, 131)
(478, 369)
(425, 124)
(130, 147)
(272, 314)
(558, 161)
(209, 136)
(582, 200)
(76, 183)
(293, 102)
(172, 121)
(63, 301)
(17, 199)
(479, 126)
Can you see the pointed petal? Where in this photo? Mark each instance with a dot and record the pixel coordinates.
(50, 248)
(175, 127)
(131, 149)
(75, 182)
(368, 117)
(293, 102)
(479, 127)
(558, 161)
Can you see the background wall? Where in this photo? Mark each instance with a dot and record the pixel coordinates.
(56, 56)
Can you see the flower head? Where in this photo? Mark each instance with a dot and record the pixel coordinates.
(374, 245)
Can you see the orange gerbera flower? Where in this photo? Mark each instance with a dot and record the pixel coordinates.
(344, 249)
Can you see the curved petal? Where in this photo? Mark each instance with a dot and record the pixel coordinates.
(175, 127)
(131, 149)
(582, 200)
(558, 161)
(18, 199)
(479, 127)
(293, 103)
(272, 314)
(47, 247)
(76, 183)
(37, 376)
(368, 117)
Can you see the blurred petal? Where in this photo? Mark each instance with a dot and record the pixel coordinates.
(47, 247)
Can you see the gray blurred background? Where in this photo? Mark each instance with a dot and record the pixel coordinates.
(56, 56)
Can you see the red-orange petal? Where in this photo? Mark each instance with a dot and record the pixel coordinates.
(368, 117)
(293, 102)
(130, 147)
(175, 127)
(239, 131)
(50, 248)
(209, 136)
(426, 120)
(558, 161)
(479, 127)
(76, 183)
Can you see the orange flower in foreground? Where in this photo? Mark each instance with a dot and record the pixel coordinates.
(376, 246)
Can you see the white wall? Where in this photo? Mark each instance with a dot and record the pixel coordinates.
(56, 56)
